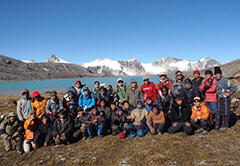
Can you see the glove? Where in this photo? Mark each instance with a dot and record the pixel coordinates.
(206, 87)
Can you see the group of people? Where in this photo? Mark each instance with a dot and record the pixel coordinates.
(191, 106)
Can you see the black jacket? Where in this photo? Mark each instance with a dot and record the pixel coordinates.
(189, 94)
(64, 126)
(43, 134)
(78, 121)
(180, 113)
(165, 102)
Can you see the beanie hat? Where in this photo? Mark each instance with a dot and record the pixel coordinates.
(85, 88)
(208, 71)
(178, 73)
(188, 81)
(53, 93)
(162, 74)
(196, 72)
(217, 70)
(35, 94)
(24, 91)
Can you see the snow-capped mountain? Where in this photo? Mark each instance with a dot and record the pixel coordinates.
(29, 61)
(55, 59)
(104, 65)
(134, 67)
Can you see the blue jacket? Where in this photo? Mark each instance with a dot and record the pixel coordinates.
(86, 100)
(224, 85)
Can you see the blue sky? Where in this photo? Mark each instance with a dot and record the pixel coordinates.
(84, 30)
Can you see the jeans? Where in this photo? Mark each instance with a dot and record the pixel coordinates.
(92, 129)
(213, 106)
(140, 130)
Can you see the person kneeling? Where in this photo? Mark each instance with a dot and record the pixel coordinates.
(80, 125)
(156, 120)
(30, 126)
(43, 134)
(138, 116)
(180, 117)
(62, 128)
(119, 119)
(11, 133)
(200, 115)
(96, 123)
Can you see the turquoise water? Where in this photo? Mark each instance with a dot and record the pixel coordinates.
(61, 84)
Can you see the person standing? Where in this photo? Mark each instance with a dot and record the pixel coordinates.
(178, 83)
(209, 88)
(225, 89)
(24, 106)
(149, 90)
(121, 91)
(39, 105)
(134, 93)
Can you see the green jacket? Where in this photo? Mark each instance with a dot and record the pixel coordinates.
(121, 92)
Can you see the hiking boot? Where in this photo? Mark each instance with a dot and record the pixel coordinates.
(223, 128)
(198, 131)
(84, 138)
(205, 132)
(19, 150)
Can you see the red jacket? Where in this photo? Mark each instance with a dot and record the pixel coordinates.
(210, 94)
(149, 91)
(167, 83)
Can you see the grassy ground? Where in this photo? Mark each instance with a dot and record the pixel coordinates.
(215, 148)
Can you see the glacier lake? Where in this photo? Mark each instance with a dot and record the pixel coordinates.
(15, 87)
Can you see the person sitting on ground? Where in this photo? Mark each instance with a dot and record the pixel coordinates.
(94, 127)
(86, 100)
(43, 134)
(121, 91)
(30, 126)
(108, 114)
(149, 104)
(54, 105)
(180, 117)
(225, 89)
(118, 121)
(149, 90)
(134, 93)
(39, 104)
(11, 133)
(164, 81)
(96, 91)
(138, 116)
(200, 116)
(70, 103)
(156, 120)
(178, 83)
(80, 125)
(197, 81)
(62, 128)
(188, 92)
(209, 88)
(24, 106)
(127, 108)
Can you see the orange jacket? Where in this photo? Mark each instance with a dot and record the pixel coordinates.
(203, 112)
(29, 126)
(39, 107)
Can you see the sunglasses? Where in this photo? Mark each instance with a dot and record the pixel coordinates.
(197, 101)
